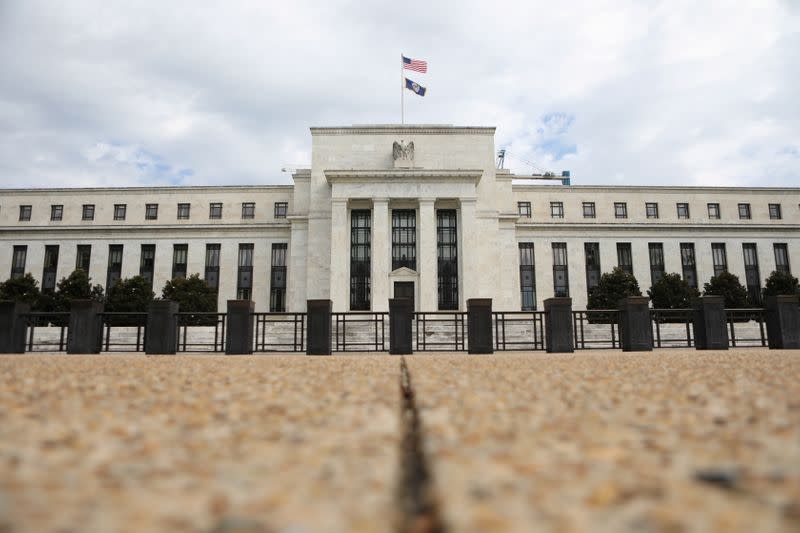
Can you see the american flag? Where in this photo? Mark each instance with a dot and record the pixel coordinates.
(417, 65)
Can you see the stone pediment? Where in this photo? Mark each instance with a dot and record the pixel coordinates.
(403, 272)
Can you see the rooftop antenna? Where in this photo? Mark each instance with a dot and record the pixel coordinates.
(540, 174)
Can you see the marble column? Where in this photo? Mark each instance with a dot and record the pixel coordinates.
(340, 255)
(426, 256)
(468, 286)
(379, 254)
(296, 278)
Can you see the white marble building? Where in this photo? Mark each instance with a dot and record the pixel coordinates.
(374, 217)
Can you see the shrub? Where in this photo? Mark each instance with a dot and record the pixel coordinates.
(672, 292)
(129, 295)
(781, 283)
(613, 287)
(728, 285)
(24, 289)
(194, 296)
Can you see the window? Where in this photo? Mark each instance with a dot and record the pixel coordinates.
(114, 271)
(713, 211)
(744, 211)
(689, 264)
(556, 209)
(751, 273)
(179, 260)
(183, 211)
(527, 276)
(50, 268)
(656, 250)
(592, 250)
(147, 262)
(560, 270)
(620, 210)
(18, 261)
(120, 210)
(781, 257)
(625, 257)
(88, 212)
(215, 210)
(83, 257)
(248, 210)
(212, 265)
(651, 209)
(588, 210)
(25, 212)
(151, 212)
(719, 258)
(360, 264)
(683, 210)
(244, 279)
(524, 209)
(280, 209)
(404, 238)
(447, 258)
(277, 281)
(56, 212)
(775, 211)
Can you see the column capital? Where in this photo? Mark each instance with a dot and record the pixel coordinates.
(339, 201)
(380, 200)
(426, 200)
(467, 200)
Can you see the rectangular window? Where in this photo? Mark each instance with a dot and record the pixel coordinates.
(588, 210)
(50, 268)
(719, 258)
(83, 257)
(592, 250)
(18, 261)
(689, 264)
(556, 209)
(87, 212)
(215, 210)
(114, 272)
(651, 209)
(212, 265)
(527, 276)
(277, 280)
(280, 209)
(180, 254)
(404, 238)
(752, 275)
(683, 210)
(620, 210)
(244, 278)
(560, 270)
(360, 259)
(781, 257)
(120, 210)
(656, 250)
(151, 212)
(625, 257)
(775, 211)
(447, 258)
(25, 212)
(248, 210)
(183, 211)
(744, 211)
(524, 209)
(713, 211)
(147, 262)
(56, 212)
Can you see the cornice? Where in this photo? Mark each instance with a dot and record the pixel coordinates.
(170, 189)
(140, 227)
(517, 187)
(405, 129)
(656, 227)
(404, 174)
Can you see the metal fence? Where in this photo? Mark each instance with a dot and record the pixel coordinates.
(440, 331)
(279, 332)
(518, 330)
(46, 332)
(672, 328)
(360, 331)
(595, 328)
(123, 332)
(201, 332)
(746, 327)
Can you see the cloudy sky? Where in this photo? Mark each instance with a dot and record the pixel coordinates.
(620, 92)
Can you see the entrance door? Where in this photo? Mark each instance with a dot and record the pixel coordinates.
(405, 289)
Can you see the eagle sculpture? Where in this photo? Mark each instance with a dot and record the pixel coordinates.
(403, 151)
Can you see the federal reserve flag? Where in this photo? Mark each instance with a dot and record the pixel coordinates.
(415, 87)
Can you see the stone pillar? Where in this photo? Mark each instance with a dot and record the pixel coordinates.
(340, 255)
(318, 341)
(479, 325)
(710, 326)
(400, 313)
(239, 327)
(13, 326)
(635, 327)
(469, 284)
(85, 334)
(426, 256)
(379, 257)
(783, 322)
(558, 325)
(161, 335)
(296, 273)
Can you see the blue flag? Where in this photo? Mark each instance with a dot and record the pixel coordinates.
(415, 87)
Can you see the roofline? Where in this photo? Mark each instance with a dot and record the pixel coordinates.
(36, 190)
(675, 188)
(389, 129)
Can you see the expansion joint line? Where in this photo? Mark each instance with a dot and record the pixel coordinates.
(419, 512)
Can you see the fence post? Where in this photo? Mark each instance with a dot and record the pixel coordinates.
(400, 312)
(12, 326)
(239, 331)
(479, 325)
(85, 333)
(558, 325)
(161, 331)
(710, 326)
(635, 327)
(783, 322)
(319, 327)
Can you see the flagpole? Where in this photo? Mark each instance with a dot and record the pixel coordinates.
(402, 92)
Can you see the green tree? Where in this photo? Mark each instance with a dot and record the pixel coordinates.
(129, 295)
(194, 296)
(780, 283)
(22, 289)
(76, 286)
(613, 287)
(728, 285)
(672, 292)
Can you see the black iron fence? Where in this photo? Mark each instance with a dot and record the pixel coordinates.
(279, 332)
(123, 332)
(746, 327)
(596, 328)
(201, 332)
(360, 331)
(672, 328)
(440, 331)
(46, 332)
(518, 330)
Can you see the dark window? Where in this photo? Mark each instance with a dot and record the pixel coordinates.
(179, 260)
(651, 209)
(719, 258)
(147, 262)
(527, 276)
(752, 275)
(713, 211)
(689, 264)
(56, 212)
(183, 211)
(625, 257)
(83, 257)
(404, 238)
(151, 212)
(88, 212)
(744, 211)
(524, 209)
(25, 212)
(588, 210)
(560, 270)
(360, 259)
(280, 209)
(656, 250)
(248, 209)
(120, 211)
(212, 265)
(683, 210)
(277, 281)
(620, 210)
(215, 210)
(781, 257)
(447, 258)
(592, 250)
(50, 267)
(114, 265)
(775, 211)
(557, 209)
(244, 279)
(18, 261)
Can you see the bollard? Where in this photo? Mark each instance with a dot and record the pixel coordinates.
(13, 326)
(85, 334)
(635, 327)
(161, 333)
(479, 325)
(558, 325)
(783, 322)
(400, 312)
(710, 326)
(319, 327)
(239, 328)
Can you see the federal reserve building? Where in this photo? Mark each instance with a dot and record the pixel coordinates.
(417, 211)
